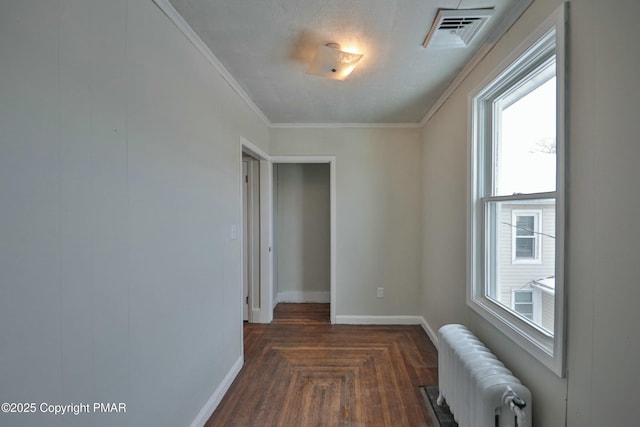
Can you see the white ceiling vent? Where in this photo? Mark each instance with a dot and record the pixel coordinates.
(456, 28)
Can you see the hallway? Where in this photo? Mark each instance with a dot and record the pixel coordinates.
(302, 371)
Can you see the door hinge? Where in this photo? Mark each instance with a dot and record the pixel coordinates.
(247, 300)
(246, 178)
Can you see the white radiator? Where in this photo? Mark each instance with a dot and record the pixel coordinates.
(478, 388)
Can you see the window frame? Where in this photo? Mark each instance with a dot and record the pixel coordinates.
(547, 348)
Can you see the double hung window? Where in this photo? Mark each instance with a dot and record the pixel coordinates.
(516, 206)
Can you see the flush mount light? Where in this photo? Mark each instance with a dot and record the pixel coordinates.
(333, 63)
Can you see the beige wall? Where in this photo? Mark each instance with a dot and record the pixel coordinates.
(602, 268)
(119, 184)
(377, 209)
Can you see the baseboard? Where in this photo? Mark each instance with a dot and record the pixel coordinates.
(379, 320)
(303, 296)
(218, 394)
(261, 316)
(432, 335)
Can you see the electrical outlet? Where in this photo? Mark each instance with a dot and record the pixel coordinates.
(380, 292)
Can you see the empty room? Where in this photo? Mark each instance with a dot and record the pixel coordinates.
(263, 213)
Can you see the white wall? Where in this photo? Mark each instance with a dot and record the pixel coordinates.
(603, 201)
(377, 209)
(119, 182)
(302, 232)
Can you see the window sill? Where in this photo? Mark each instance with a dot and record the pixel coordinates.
(526, 261)
(535, 340)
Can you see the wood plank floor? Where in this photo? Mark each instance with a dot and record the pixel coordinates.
(302, 371)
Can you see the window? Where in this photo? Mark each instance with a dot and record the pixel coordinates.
(527, 236)
(516, 206)
(523, 303)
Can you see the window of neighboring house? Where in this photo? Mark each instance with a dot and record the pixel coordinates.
(526, 236)
(523, 302)
(517, 160)
(527, 303)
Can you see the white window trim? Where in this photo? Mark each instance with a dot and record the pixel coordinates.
(546, 348)
(537, 236)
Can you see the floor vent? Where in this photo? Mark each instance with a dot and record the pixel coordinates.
(442, 413)
(456, 28)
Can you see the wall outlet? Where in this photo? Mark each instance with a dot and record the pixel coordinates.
(380, 292)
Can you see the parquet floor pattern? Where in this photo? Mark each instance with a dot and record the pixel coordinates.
(302, 371)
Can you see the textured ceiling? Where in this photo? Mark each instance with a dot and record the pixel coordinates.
(267, 46)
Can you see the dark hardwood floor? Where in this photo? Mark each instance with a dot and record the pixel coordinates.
(302, 371)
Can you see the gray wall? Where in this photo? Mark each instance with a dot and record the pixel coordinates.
(603, 200)
(302, 231)
(119, 183)
(377, 209)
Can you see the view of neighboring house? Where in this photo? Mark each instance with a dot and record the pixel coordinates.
(524, 279)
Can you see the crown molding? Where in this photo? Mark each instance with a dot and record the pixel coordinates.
(191, 35)
(342, 125)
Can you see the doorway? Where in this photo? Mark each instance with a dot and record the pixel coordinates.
(331, 162)
(260, 291)
(301, 235)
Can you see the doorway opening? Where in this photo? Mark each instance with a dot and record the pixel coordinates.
(301, 234)
(304, 222)
(260, 298)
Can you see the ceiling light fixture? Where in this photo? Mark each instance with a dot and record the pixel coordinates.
(333, 63)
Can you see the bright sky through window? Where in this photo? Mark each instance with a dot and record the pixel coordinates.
(526, 154)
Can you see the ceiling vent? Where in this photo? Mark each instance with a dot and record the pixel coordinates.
(456, 28)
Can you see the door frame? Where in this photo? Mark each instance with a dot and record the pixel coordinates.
(260, 309)
(263, 311)
(331, 160)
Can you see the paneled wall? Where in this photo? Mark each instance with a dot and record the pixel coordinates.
(119, 185)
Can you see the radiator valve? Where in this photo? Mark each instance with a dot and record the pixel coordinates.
(516, 404)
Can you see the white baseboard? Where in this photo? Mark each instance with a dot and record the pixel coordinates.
(261, 316)
(218, 394)
(303, 296)
(432, 335)
(379, 320)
